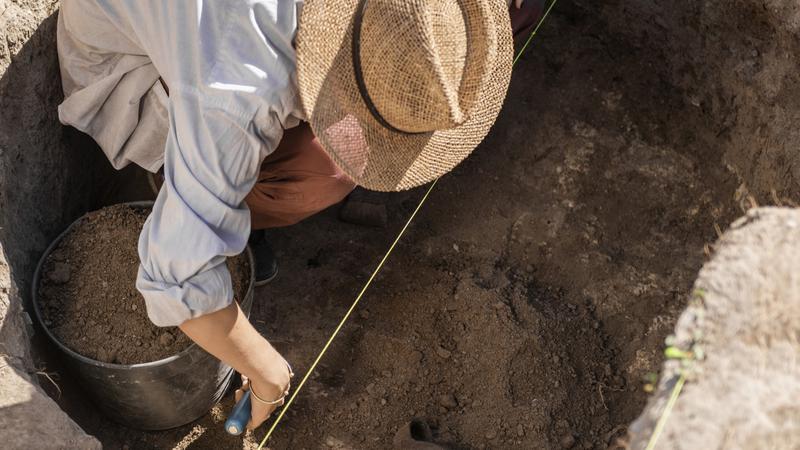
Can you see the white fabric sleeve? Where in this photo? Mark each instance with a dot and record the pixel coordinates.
(229, 66)
(199, 218)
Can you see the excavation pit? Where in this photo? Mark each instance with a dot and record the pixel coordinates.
(528, 305)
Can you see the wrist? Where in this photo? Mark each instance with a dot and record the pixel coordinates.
(272, 376)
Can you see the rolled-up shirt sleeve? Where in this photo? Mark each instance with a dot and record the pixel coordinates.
(199, 218)
(230, 70)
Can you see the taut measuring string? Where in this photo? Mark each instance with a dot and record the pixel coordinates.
(378, 267)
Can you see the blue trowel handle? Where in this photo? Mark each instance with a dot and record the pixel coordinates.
(240, 415)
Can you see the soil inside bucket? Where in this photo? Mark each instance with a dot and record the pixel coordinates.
(88, 293)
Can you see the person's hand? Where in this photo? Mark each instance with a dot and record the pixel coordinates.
(267, 395)
(518, 3)
(228, 335)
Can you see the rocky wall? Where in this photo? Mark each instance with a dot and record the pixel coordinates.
(740, 338)
(44, 183)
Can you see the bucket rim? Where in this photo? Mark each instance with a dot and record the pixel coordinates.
(248, 297)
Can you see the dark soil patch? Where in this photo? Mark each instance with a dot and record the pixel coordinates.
(88, 293)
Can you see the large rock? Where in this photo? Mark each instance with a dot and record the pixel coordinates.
(41, 186)
(744, 326)
(28, 417)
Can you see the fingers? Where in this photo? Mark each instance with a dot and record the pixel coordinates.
(240, 392)
(258, 414)
(518, 3)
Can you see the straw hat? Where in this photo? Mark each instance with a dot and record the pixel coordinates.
(400, 91)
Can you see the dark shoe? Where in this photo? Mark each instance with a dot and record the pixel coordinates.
(266, 264)
(156, 180)
(415, 435)
(363, 207)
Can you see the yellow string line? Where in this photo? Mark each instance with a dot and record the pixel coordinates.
(346, 316)
(662, 421)
(533, 33)
(377, 269)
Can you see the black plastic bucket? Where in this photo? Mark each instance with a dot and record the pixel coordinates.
(151, 396)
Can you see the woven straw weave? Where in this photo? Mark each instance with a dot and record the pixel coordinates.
(436, 69)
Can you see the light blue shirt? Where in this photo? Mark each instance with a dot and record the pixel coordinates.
(230, 69)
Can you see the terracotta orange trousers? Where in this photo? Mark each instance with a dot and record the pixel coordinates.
(296, 181)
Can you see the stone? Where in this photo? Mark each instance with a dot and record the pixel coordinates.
(744, 311)
(60, 273)
(166, 339)
(448, 401)
(31, 419)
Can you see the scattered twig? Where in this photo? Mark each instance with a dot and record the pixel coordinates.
(50, 379)
(708, 249)
(775, 198)
(718, 230)
(752, 201)
(782, 201)
(600, 387)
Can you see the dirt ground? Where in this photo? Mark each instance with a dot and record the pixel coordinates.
(88, 293)
(530, 299)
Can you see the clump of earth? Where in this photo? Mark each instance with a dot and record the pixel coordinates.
(88, 296)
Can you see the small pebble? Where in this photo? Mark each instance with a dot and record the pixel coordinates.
(491, 435)
(60, 273)
(442, 352)
(520, 430)
(567, 441)
(166, 339)
(448, 401)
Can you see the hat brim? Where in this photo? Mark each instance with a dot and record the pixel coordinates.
(373, 156)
